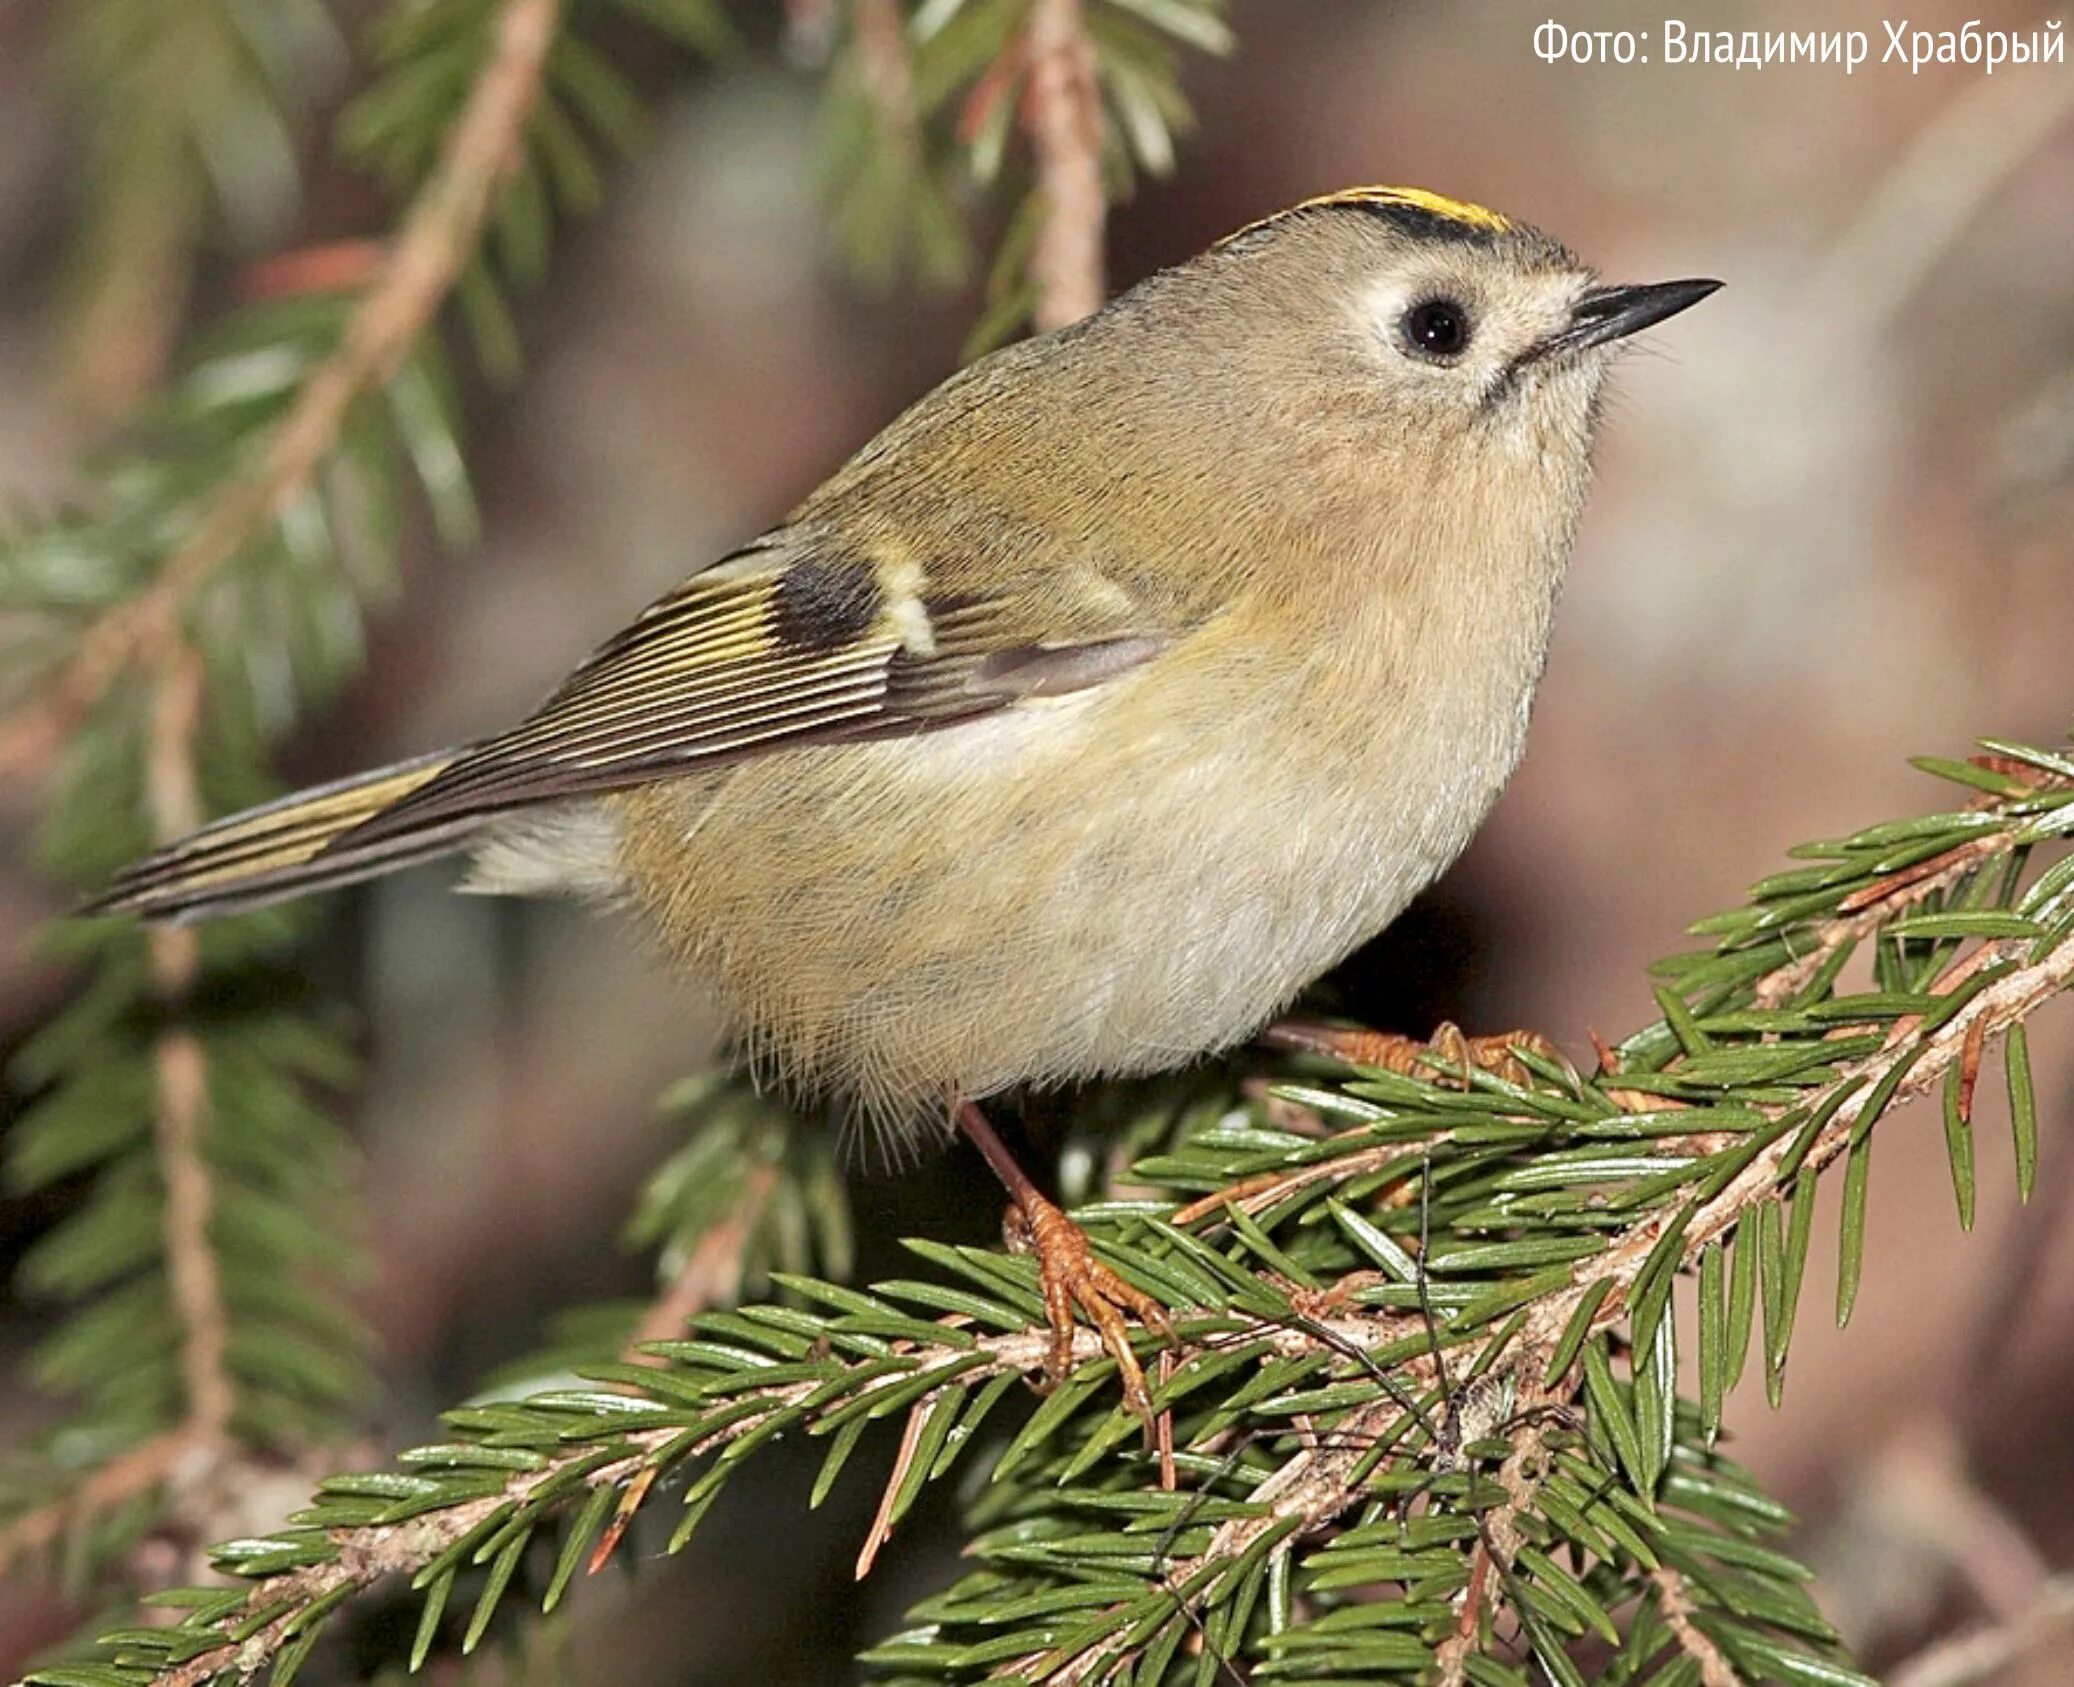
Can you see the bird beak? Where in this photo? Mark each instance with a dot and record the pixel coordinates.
(1613, 313)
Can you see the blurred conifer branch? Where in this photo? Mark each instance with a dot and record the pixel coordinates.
(436, 240)
(190, 118)
(1422, 1407)
(1065, 121)
(212, 583)
(924, 103)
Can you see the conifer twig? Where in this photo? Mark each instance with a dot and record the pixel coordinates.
(432, 247)
(1674, 1601)
(147, 632)
(1924, 1058)
(1863, 915)
(1318, 1484)
(181, 1075)
(367, 1553)
(887, 72)
(104, 1489)
(712, 1272)
(1064, 118)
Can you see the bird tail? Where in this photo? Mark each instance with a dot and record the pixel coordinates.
(285, 848)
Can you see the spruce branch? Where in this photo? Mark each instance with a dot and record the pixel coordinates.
(1433, 1350)
(181, 1070)
(436, 240)
(1674, 1600)
(226, 551)
(1064, 116)
(192, 119)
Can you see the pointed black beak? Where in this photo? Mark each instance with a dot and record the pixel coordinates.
(1613, 313)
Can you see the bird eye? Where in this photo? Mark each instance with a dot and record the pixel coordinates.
(1437, 328)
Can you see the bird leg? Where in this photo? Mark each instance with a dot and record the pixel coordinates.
(1448, 1054)
(1068, 1272)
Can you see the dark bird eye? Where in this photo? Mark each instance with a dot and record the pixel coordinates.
(1437, 327)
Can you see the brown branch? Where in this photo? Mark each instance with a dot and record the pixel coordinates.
(1499, 1537)
(102, 1490)
(437, 237)
(1862, 914)
(1674, 1600)
(1063, 114)
(887, 73)
(181, 1070)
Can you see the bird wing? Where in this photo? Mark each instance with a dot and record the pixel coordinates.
(794, 640)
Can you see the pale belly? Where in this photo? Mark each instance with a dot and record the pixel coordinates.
(1093, 888)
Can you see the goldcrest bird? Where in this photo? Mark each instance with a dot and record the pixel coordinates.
(1117, 690)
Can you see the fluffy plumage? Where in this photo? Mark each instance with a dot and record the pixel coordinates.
(1119, 688)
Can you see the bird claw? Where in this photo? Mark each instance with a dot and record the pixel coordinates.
(1446, 1058)
(1071, 1278)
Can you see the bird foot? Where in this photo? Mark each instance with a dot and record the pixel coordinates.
(1446, 1058)
(1071, 1277)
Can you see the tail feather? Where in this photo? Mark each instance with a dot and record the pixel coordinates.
(284, 848)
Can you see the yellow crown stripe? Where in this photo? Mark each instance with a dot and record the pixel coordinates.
(1479, 217)
(1419, 199)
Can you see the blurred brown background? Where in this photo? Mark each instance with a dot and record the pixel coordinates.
(1830, 531)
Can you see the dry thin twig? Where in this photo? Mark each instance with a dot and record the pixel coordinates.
(436, 240)
(881, 1529)
(1063, 114)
